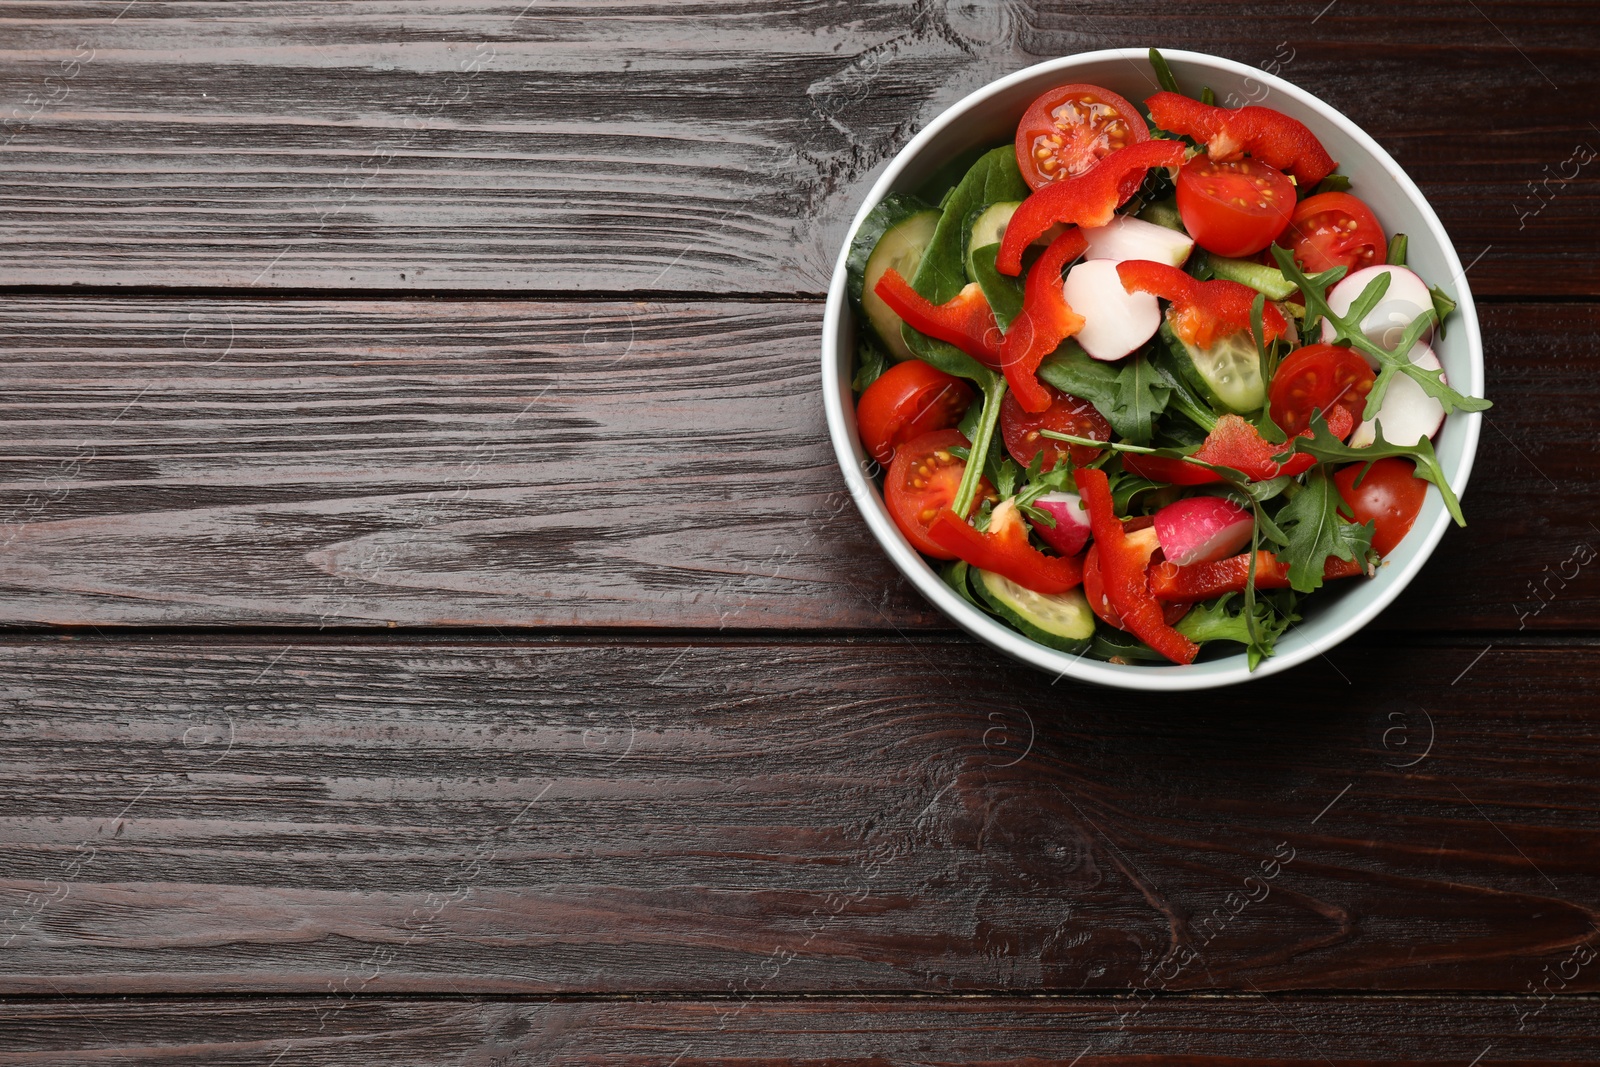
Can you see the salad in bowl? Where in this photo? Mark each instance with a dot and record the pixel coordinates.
(1148, 387)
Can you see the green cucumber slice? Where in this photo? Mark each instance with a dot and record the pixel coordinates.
(1227, 375)
(987, 229)
(1059, 620)
(901, 248)
(1164, 213)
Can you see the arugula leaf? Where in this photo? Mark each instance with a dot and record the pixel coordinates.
(1217, 621)
(1397, 250)
(1347, 330)
(1129, 398)
(1442, 305)
(1163, 72)
(1315, 532)
(1183, 400)
(982, 437)
(1324, 446)
(1141, 394)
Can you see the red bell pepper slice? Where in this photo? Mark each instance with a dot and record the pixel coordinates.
(1123, 563)
(1201, 311)
(1004, 549)
(1090, 199)
(1168, 471)
(967, 321)
(1270, 136)
(1046, 320)
(1203, 581)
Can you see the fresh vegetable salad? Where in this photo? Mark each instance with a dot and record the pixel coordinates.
(1142, 380)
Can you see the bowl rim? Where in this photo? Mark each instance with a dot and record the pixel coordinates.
(1232, 670)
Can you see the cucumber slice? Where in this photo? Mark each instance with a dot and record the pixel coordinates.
(901, 248)
(1227, 375)
(1164, 213)
(1060, 620)
(987, 229)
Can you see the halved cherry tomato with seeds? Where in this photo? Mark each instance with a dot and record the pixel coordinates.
(1068, 130)
(922, 481)
(1066, 414)
(1233, 209)
(1335, 230)
(908, 400)
(1319, 378)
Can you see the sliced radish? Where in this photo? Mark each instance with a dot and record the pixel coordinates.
(1126, 237)
(1405, 299)
(1115, 321)
(1407, 414)
(1202, 529)
(1071, 531)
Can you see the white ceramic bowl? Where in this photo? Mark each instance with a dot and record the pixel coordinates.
(988, 117)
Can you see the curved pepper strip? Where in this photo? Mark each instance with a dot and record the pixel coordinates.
(1045, 321)
(1201, 311)
(1004, 549)
(1270, 136)
(1090, 199)
(1203, 581)
(1122, 571)
(966, 321)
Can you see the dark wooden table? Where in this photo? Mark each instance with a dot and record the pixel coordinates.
(438, 634)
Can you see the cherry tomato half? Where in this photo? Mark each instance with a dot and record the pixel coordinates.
(1335, 230)
(908, 400)
(1233, 209)
(1066, 414)
(1317, 378)
(1068, 130)
(922, 481)
(1390, 497)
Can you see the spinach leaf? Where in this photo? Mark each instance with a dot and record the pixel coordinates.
(870, 361)
(1003, 292)
(943, 271)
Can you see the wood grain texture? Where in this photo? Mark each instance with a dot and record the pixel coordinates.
(608, 464)
(749, 818)
(704, 148)
(1222, 1032)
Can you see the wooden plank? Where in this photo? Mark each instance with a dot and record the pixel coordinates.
(702, 149)
(1224, 1032)
(593, 464)
(752, 818)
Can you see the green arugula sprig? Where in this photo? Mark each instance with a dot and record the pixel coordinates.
(1324, 446)
(1347, 330)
